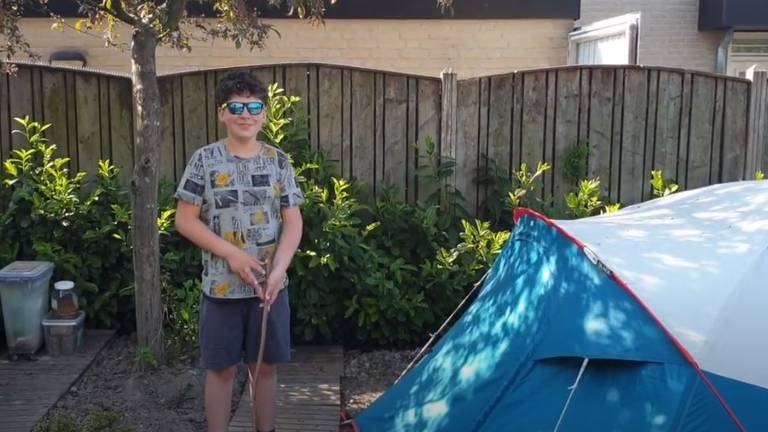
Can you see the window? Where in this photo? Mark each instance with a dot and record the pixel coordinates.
(747, 49)
(612, 41)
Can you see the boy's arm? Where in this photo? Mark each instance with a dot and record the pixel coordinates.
(286, 249)
(189, 225)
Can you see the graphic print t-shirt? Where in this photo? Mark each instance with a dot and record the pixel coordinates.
(240, 201)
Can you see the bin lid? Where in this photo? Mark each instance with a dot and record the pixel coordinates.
(23, 271)
(64, 285)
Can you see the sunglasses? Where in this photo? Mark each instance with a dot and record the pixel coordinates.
(237, 108)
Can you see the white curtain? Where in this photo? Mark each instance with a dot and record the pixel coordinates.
(612, 49)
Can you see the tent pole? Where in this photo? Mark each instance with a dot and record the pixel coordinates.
(434, 337)
(573, 390)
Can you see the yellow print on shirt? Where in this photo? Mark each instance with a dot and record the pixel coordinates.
(236, 238)
(221, 289)
(270, 152)
(223, 178)
(259, 218)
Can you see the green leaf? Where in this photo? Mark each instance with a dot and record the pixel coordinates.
(81, 25)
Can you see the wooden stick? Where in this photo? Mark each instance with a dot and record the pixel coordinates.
(253, 380)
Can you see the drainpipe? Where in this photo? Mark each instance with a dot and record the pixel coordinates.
(721, 58)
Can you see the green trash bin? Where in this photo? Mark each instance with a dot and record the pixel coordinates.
(24, 295)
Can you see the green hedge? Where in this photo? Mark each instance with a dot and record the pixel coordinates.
(369, 272)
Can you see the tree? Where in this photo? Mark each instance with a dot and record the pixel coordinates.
(153, 23)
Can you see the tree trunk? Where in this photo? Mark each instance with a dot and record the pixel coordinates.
(144, 190)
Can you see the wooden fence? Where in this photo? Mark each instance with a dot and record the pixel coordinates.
(368, 122)
(92, 113)
(691, 125)
(697, 127)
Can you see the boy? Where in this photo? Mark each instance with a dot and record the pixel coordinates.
(238, 200)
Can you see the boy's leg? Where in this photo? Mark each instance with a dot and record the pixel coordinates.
(218, 397)
(264, 395)
(221, 344)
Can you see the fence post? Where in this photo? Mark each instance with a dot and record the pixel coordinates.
(448, 120)
(757, 132)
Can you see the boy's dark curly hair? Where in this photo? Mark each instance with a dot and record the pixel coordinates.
(239, 83)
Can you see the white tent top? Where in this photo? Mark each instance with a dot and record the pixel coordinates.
(699, 261)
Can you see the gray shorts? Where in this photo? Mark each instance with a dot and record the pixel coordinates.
(230, 331)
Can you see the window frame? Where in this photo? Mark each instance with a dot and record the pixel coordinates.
(627, 25)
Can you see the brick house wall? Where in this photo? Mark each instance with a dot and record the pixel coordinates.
(426, 47)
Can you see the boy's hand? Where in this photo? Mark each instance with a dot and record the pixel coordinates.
(274, 285)
(244, 265)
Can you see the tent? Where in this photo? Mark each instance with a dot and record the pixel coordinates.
(653, 318)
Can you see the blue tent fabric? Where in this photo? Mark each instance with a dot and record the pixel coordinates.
(508, 363)
(749, 402)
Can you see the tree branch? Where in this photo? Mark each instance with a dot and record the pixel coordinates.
(174, 12)
(115, 8)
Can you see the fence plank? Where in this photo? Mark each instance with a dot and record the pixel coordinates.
(700, 136)
(633, 137)
(517, 124)
(614, 178)
(5, 119)
(88, 122)
(221, 131)
(467, 140)
(19, 102)
(428, 113)
(448, 118)
(566, 131)
(312, 103)
(194, 113)
(735, 131)
(346, 125)
(650, 131)
(549, 138)
(211, 110)
(378, 130)
(297, 84)
(72, 123)
(279, 76)
(121, 125)
(106, 144)
(363, 127)
(668, 117)
(393, 155)
(757, 136)
(685, 131)
(534, 111)
(54, 111)
(585, 90)
(601, 106)
(502, 94)
(717, 133)
(168, 161)
(178, 127)
(482, 142)
(265, 74)
(412, 160)
(764, 160)
(330, 116)
(37, 98)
